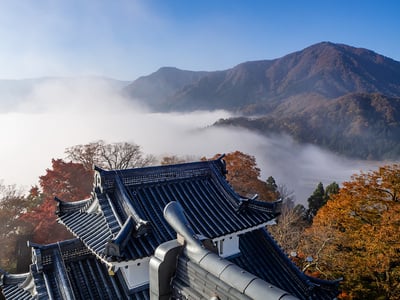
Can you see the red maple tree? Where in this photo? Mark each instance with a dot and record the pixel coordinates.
(66, 180)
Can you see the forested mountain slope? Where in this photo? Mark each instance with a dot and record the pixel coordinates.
(343, 98)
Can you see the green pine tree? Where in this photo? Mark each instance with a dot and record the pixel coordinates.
(319, 198)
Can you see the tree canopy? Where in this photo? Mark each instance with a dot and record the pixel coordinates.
(68, 181)
(108, 156)
(319, 198)
(14, 231)
(356, 235)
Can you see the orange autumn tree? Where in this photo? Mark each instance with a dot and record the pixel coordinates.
(356, 235)
(244, 176)
(66, 180)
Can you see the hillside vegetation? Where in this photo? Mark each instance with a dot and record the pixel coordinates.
(342, 98)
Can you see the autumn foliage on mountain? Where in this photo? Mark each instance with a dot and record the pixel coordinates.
(356, 236)
(335, 96)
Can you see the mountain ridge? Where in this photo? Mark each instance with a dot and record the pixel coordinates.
(325, 69)
(359, 125)
(336, 96)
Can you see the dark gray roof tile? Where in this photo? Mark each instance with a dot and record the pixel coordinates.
(209, 202)
(212, 208)
(70, 266)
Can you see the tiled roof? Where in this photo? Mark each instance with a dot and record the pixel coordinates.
(199, 273)
(130, 203)
(261, 255)
(194, 281)
(66, 270)
(124, 221)
(11, 286)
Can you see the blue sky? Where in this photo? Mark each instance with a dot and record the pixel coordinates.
(125, 39)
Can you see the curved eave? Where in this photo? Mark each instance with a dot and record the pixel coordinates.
(98, 229)
(324, 285)
(64, 207)
(13, 279)
(11, 285)
(270, 207)
(61, 244)
(243, 203)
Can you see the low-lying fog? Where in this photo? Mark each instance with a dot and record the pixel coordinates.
(55, 114)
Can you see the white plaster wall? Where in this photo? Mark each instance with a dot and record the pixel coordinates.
(228, 245)
(136, 274)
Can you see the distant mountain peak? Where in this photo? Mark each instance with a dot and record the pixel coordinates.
(327, 69)
(168, 69)
(333, 95)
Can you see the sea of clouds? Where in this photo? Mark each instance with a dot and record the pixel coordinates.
(53, 114)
